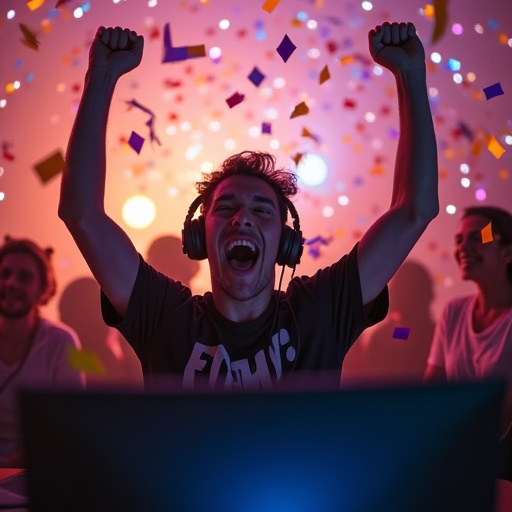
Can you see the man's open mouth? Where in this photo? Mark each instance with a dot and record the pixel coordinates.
(242, 254)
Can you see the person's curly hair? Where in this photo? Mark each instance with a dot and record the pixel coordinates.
(257, 164)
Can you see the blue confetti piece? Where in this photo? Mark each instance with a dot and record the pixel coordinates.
(493, 91)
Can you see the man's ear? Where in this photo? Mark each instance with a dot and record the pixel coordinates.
(507, 253)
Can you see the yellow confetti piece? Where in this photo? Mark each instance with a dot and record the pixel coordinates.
(35, 4)
(270, 5)
(495, 147)
(300, 110)
(85, 361)
(324, 74)
(487, 233)
(50, 167)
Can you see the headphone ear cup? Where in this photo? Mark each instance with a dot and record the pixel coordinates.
(290, 247)
(193, 238)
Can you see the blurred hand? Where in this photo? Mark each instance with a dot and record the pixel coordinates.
(119, 50)
(396, 47)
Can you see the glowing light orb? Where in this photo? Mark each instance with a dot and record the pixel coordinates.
(312, 170)
(139, 212)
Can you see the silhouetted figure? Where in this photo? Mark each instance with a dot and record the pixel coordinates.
(79, 307)
(166, 254)
(385, 357)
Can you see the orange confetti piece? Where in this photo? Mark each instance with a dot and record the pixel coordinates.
(347, 60)
(300, 110)
(29, 37)
(35, 4)
(441, 19)
(476, 148)
(85, 361)
(197, 51)
(270, 5)
(297, 158)
(495, 147)
(50, 167)
(487, 234)
(324, 74)
(306, 133)
(377, 169)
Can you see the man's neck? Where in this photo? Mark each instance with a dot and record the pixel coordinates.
(15, 334)
(242, 311)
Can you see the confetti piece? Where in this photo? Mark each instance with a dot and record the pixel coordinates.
(136, 142)
(286, 48)
(324, 75)
(235, 99)
(85, 361)
(270, 5)
(349, 103)
(179, 53)
(441, 19)
(306, 133)
(347, 60)
(492, 91)
(35, 4)
(60, 3)
(150, 123)
(6, 153)
(256, 76)
(297, 158)
(401, 333)
(266, 128)
(50, 167)
(300, 110)
(495, 147)
(197, 50)
(29, 37)
(487, 234)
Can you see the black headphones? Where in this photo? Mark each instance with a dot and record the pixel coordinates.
(193, 236)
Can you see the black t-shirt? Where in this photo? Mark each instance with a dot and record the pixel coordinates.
(317, 320)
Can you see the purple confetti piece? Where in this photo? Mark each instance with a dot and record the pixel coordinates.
(266, 128)
(401, 333)
(256, 76)
(176, 53)
(136, 142)
(286, 48)
(493, 91)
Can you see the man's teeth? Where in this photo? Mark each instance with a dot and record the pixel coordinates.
(238, 243)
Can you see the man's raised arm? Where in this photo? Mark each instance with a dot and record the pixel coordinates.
(414, 202)
(106, 248)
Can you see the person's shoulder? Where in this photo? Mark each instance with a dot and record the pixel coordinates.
(58, 332)
(458, 303)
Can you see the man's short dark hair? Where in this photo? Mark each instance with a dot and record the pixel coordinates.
(501, 222)
(257, 164)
